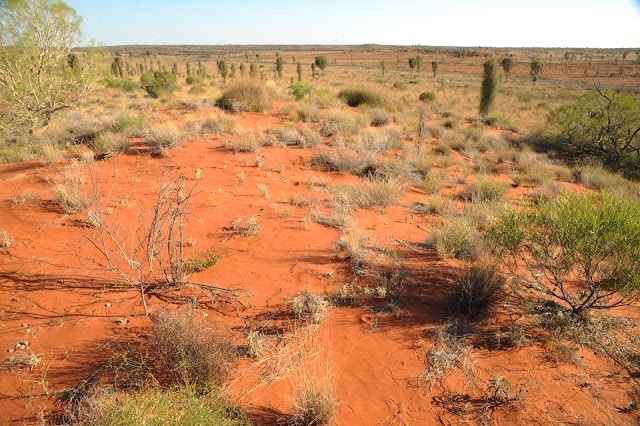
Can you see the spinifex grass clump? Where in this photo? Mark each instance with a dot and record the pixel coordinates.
(246, 95)
(358, 96)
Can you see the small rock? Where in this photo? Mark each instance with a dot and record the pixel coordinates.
(107, 305)
(122, 321)
(10, 350)
(204, 314)
(20, 346)
(25, 325)
(28, 330)
(25, 343)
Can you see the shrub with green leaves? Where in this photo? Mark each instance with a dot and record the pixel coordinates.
(601, 124)
(582, 250)
(427, 97)
(158, 83)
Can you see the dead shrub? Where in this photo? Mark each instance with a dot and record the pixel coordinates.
(164, 137)
(187, 350)
(476, 291)
(314, 401)
(310, 307)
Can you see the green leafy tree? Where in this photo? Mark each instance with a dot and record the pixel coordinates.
(536, 69)
(36, 81)
(321, 62)
(158, 83)
(223, 69)
(602, 124)
(490, 83)
(434, 67)
(581, 250)
(508, 63)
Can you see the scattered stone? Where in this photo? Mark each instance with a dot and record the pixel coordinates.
(25, 343)
(20, 346)
(28, 330)
(10, 350)
(107, 305)
(25, 325)
(122, 321)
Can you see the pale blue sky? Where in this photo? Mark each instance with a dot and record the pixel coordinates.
(499, 23)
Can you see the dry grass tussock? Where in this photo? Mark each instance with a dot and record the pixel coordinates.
(314, 400)
(246, 95)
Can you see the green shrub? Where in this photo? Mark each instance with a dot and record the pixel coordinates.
(301, 90)
(158, 83)
(246, 95)
(197, 89)
(124, 84)
(154, 406)
(361, 96)
(128, 123)
(219, 125)
(583, 250)
(427, 96)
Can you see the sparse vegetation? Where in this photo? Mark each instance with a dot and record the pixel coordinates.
(246, 95)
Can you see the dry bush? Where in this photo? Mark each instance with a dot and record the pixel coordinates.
(597, 177)
(50, 152)
(314, 401)
(311, 307)
(246, 95)
(247, 143)
(79, 126)
(352, 242)
(6, 240)
(164, 137)
(311, 138)
(482, 190)
(110, 143)
(476, 291)
(187, 350)
(67, 193)
(455, 237)
(289, 135)
(129, 123)
(338, 121)
(361, 96)
(245, 226)
(218, 126)
(308, 113)
(373, 141)
(379, 117)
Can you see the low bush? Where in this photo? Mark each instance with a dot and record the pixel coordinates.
(483, 190)
(427, 96)
(246, 95)
(158, 83)
(379, 117)
(476, 291)
(218, 126)
(336, 122)
(456, 238)
(310, 307)
(187, 350)
(123, 84)
(361, 96)
(314, 402)
(164, 137)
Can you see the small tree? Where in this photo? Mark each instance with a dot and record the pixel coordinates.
(223, 69)
(313, 71)
(174, 70)
(536, 69)
(434, 67)
(507, 64)
(279, 65)
(158, 83)
(36, 39)
(242, 70)
(382, 67)
(253, 70)
(419, 62)
(321, 62)
(583, 251)
(412, 65)
(299, 71)
(490, 83)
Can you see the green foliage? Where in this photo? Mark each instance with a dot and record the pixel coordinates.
(158, 83)
(583, 250)
(427, 96)
(361, 96)
(536, 69)
(248, 95)
(601, 124)
(490, 83)
(508, 63)
(300, 90)
(321, 62)
(154, 406)
(124, 84)
(38, 76)
(223, 69)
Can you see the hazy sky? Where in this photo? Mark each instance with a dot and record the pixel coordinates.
(499, 23)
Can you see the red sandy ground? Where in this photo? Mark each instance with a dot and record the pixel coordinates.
(375, 359)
